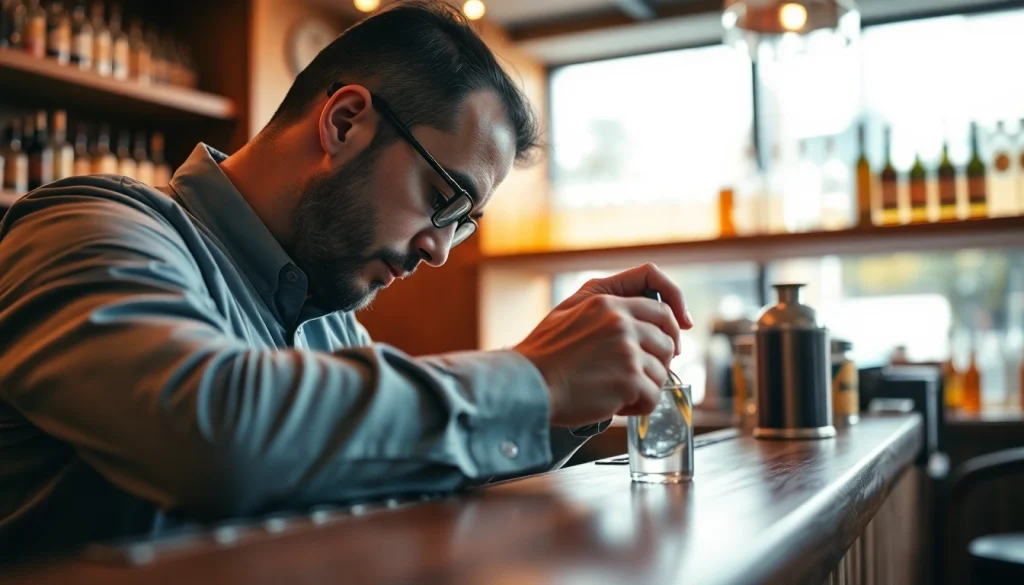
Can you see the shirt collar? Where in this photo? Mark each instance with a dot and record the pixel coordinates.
(208, 194)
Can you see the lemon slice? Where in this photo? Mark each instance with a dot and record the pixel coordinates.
(642, 427)
(684, 407)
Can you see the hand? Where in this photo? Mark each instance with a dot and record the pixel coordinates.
(606, 349)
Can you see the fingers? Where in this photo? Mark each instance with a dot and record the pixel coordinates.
(633, 283)
(659, 316)
(648, 385)
(656, 350)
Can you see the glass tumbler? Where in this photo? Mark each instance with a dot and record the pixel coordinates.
(661, 443)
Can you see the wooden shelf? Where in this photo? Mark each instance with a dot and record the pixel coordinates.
(989, 233)
(45, 81)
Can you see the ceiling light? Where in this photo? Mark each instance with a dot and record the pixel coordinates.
(474, 9)
(792, 16)
(367, 5)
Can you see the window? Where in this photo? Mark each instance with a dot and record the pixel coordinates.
(646, 131)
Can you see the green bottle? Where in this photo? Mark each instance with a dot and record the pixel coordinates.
(977, 192)
(947, 187)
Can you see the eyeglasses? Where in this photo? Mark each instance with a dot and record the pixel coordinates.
(455, 209)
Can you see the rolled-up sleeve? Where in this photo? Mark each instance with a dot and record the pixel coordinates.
(117, 342)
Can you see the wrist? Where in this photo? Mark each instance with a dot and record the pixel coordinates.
(552, 381)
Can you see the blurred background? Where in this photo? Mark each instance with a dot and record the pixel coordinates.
(877, 159)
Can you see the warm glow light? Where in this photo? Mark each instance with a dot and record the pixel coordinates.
(367, 5)
(792, 16)
(474, 9)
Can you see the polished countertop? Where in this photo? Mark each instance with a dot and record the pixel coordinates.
(757, 511)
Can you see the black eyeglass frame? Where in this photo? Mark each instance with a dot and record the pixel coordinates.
(438, 217)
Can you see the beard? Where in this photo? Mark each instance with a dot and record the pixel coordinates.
(335, 226)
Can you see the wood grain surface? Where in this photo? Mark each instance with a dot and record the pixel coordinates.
(756, 512)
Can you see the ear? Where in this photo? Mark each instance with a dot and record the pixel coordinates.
(348, 123)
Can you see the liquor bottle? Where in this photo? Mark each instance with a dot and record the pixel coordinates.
(40, 154)
(837, 192)
(5, 32)
(17, 14)
(179, 68)
(125, 162)
(948, 210)
(58, 34)
(141, 63)
(102, 44)
(157, 57)
(918, 192)
(104, 162)
(35, 29)
(972, 386)
(951, 385)
(864, 182)
(16, 165)
(1002, 179)
(977, 196)
(120, 47)
(890, 186)
(191, 79)
(175, 67)
(1020, 384)
(751, 211)
(1019, 147)
(83, 160)
(143, 166)
(81, 38)
(161, 170)
(726, 208)
(63, 153)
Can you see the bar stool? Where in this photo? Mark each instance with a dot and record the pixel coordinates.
(995, 559)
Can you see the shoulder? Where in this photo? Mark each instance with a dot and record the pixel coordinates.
(109, 214)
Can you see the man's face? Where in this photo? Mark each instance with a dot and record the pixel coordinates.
(366, 221)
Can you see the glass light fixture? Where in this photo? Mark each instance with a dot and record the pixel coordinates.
(807, 83)
(750, 22)
(367, 5)
(474, 9)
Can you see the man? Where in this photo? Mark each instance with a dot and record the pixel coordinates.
(191, 352)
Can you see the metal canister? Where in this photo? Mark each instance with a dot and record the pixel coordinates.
(793, 371)
(845, 385)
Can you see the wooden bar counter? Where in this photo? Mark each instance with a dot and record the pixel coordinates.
(786, 512)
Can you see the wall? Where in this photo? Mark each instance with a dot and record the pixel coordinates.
(271, 76)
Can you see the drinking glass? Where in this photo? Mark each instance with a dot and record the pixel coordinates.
(661, 443)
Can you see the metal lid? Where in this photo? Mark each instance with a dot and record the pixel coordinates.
(744, 344)
(788, 313)
(841, 345)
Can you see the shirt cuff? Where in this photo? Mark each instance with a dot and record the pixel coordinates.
(591, 430)
(509, 432)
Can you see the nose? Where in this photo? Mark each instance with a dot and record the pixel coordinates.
(435, 244)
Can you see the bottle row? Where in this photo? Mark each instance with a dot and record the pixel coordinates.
(946, 192)
(32, 155)
(97, 41)
(811, 188)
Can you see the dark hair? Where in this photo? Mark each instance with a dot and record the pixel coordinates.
(423, 58)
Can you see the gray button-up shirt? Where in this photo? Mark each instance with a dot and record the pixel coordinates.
(157, 354)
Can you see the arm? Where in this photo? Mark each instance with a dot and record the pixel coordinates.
(116, 343)
(564, 441)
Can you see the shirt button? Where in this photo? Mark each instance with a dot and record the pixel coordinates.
(291, 276)
(510, 449)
